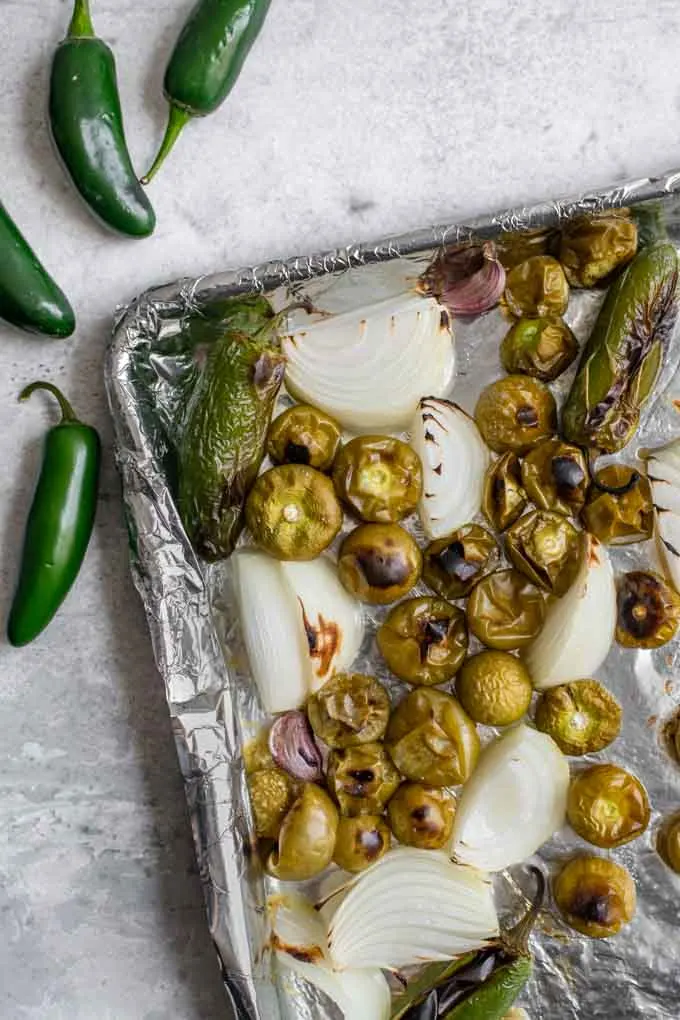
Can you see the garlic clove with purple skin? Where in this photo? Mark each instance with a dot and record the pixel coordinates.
(471, 280)
(293, 747)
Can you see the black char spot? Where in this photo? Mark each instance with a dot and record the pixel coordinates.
(297, 453)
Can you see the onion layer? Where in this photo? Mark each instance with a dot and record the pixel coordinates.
(663, 469)
(299, 625)
(368, 367)
(411, 907)
(515, 800)
(299, 939)
(454, 459)
(579, 628)
(332, 619)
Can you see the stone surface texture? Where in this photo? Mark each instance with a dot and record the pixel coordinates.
(352, 119)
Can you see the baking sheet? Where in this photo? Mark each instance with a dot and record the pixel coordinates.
(197, 649)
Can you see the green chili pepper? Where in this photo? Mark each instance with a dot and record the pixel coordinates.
(206, 61)
(493, 999)
(429, 978)
(87, 126)
(622, 360)
(225, 430)
(29, 297)
(60, 521)
(650, 218)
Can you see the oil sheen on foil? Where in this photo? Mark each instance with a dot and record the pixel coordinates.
(211, 698)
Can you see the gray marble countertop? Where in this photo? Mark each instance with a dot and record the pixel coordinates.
(352, 119)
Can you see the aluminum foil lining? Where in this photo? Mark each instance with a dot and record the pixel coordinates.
(212, 701)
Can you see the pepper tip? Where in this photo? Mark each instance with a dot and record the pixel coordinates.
(177, 119)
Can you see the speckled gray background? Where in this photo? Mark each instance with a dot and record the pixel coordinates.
(352, 119)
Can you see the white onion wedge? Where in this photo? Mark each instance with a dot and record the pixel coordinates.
(411, 907)
(271, 625)
(358, 993)
(299, 625)
(369, 367)
(454, 458)
(297, 927)
(514, 801)
(663, 470)
(332, 619)
(579, 628)
(299, 938)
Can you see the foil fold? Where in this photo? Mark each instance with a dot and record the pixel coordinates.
(211, 702)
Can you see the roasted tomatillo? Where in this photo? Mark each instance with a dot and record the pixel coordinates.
(424, 640)
(591, 248)
(379, 563)
(360, 842)
(522, 245)
(648, 610)
(555, 477)
(505, 611)
(379, 478)
(668, 842)
(431, 739)
(304, 435)
(595, 896)
(349, 709)
(543, 348)
(582, 717)
(453, 565)
(537, 287)
(362, 779)
(292, 512)
(271, 795)
(619, 508)
(607, 806)
(421, 816)
(504, 497)
(515, 413)
(547, 548)
(256, 752)
(494, 688)
(306, 838)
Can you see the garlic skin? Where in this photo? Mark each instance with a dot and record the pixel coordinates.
(293, 747)
(469, 281)
(663, 471)
(579, 628)
(514, 801)
(454, 458)
(369, 367)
